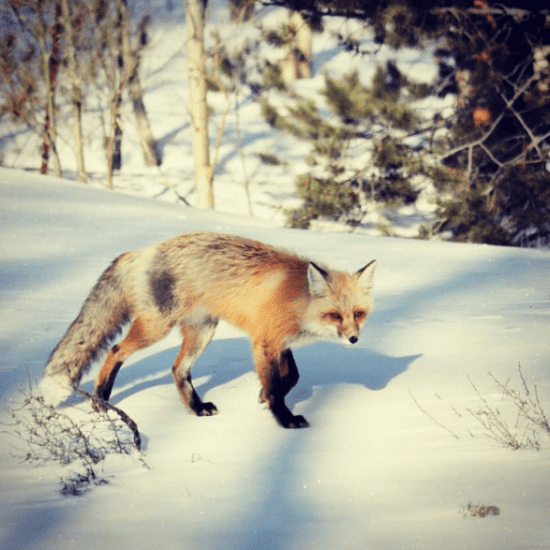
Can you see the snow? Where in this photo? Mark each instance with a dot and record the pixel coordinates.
(372, 471)
(392, 456)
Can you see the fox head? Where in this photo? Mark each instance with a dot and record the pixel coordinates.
(340, 302)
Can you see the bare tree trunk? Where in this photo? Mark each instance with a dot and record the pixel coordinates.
(297, 62)
(148, 142)
(241, 10)
(131, 61)
(50, 69)
(115, 77)
(114, 142)
(76, 93)
(195, 16)
(303, 45)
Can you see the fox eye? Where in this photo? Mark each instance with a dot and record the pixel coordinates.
(358, 315)
(335, 316)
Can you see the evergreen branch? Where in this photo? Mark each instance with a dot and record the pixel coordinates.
(475, 143)
(313, 10)
(517, 13)
(480, 142)
(534, 143)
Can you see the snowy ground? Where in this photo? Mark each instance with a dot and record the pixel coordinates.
(373, 471)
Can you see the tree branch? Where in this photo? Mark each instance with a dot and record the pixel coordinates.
(534, 142)
(105, 405)
(475, 143)
(509, 104)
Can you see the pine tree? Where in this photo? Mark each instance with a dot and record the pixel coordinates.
(492, 154)
(501, 130)
(360, 156)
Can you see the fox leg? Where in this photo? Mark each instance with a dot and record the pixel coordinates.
(195, 340)
(289, 374)
(141, 335)
(278, 375)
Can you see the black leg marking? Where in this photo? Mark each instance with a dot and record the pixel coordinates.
(290, 379)
(195, 402)
(287, 380)
(284, 376)
(104, 391)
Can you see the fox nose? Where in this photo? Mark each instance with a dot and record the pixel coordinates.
(353, 339)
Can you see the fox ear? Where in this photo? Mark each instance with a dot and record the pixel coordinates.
(365, 276)
(317, 279)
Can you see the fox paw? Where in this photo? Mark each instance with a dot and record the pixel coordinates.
(296, 422)
(287, 420)
(207, 409)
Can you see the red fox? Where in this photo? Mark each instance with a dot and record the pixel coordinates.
(192, 281)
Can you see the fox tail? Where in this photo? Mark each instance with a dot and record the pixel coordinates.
(102, 317)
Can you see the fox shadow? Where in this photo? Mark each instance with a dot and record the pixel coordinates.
(328, 363)
(319, 364)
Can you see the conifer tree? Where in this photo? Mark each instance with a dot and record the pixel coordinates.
(492, 162)
(498, 146)
(360, 155)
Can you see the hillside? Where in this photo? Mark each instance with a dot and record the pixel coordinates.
(392, 458)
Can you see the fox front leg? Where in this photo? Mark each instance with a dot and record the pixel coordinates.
(278, 375)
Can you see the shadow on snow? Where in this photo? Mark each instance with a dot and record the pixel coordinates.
(320, 364)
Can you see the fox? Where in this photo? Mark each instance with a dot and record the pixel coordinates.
(192, 281)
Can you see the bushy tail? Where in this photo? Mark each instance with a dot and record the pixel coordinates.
(102, 317)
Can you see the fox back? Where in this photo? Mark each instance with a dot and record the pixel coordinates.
(270, 293)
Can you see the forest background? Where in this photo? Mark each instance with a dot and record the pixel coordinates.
(465, 144)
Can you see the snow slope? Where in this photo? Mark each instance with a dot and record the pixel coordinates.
(372, 472)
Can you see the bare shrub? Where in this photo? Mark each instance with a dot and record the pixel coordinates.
(530, 419)
(521, 404)
(75, 437)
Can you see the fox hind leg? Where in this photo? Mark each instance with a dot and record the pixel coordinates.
(142, 334)
(196, 338)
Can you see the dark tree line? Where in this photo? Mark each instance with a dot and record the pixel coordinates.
(488, 160)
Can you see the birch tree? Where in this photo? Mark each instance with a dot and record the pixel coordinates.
(132, 57)
(112, 60)
(49, 40)
(76, 91)
(195, 20)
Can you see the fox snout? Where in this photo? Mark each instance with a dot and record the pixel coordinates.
(348, 326)
(349, 339)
